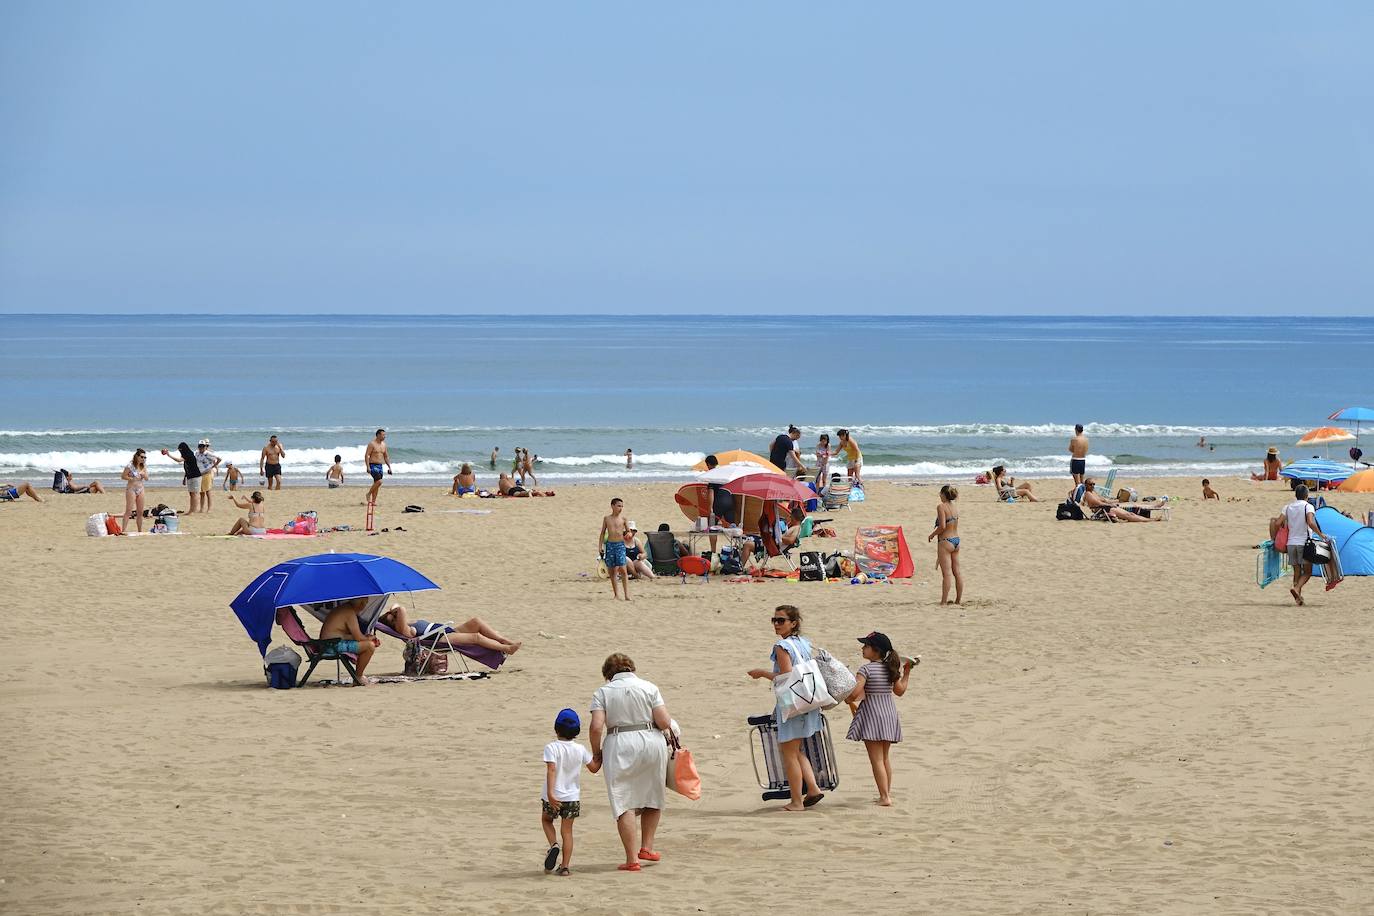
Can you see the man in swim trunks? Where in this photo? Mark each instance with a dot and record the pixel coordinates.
(1078, 455)
(342, 624)
(612, 536)
(269, 462)
(375, 457)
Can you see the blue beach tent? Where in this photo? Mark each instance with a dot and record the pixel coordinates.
(1354, 542)
(324, 577)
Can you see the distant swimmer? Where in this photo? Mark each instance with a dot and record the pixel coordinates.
(374, 458)
(495, 452)
(1201, 441)
(629, 459)
(1078, 454)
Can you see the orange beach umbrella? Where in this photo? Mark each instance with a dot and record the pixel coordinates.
(740, 456)
(1363, 482)
(1325, 435)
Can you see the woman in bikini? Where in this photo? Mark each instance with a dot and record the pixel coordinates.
(256, 523)
(1007, 488)
(947, 547)
(135, 476)
(464, 481)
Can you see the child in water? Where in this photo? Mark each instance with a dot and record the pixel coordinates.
(875, 714)
(562, 795)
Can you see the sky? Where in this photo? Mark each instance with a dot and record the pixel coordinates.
(627, 158)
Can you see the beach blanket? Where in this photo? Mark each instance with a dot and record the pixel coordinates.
(466, 511)
(408, 679)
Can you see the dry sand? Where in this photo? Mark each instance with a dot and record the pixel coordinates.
(1118, 721)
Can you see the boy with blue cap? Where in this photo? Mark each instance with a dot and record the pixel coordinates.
(562, 795)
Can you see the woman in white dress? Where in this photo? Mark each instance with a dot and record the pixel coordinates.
(629, 713)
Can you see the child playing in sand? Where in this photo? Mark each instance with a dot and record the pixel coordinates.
(875, 714)
(1208, 492)
(612, 536)
(561, 798)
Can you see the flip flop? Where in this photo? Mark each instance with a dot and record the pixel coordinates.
(811, 800)
(551, 859)
(1296, 596)
(648, 856)
(628, 866)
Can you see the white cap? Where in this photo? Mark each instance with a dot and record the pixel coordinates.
(632, 527)
(204, 441)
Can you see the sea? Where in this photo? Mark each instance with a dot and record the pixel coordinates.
(928, 398)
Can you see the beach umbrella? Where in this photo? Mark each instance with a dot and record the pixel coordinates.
(740, 456)
(770, 487)
(1356, 415)
(1362, 482)
(1325, 435)
(323, 577)
(1321, 469)
(727, 472)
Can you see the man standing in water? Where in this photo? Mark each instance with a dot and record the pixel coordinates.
(375, 457)
(494, 452)
(269, 463)
(1078, 455)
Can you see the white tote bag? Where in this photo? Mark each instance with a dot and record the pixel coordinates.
(95, 525)
(801, 690)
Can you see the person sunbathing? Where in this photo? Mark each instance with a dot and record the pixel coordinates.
(464, 481)
(256, 522)
(1093, 500)
(66, 486)
(794, 532)
(1007, 487)
(342, 624)
(9, 491)
(508, 487)
(473, 632)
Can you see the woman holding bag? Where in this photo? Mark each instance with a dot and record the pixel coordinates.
(791, 648)
(629, 713)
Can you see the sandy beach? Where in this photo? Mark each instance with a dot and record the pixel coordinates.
(1117, 721)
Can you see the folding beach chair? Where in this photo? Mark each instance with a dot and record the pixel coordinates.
(836, 496)
(433, 642)
(1270, 564)
(316, 650)
(818, 749)
(1106, 488)
(662, 547)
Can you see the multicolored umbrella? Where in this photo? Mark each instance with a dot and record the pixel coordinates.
(740, 456)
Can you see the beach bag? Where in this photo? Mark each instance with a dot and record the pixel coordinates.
(280, 666)
(95, 525)
(413, 509)
(112, 526)
(681, 775)
(856, 494)
(801, 690)
(810, 568)
(1069, 511)
(435, 663)
(1316, 552)
(1281, 539)
(839, 680)
(59, 480)
(729, 562)
(1126, 495)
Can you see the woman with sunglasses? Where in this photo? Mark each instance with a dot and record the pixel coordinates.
(790, 648)
(135, 476)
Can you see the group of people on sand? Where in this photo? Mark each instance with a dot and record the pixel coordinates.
(632, 736)
(465, 484)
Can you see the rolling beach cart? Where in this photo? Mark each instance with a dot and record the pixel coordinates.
(818, 749)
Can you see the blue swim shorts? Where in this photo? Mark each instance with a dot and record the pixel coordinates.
(375, 470)
(615, 554)
(347, 645)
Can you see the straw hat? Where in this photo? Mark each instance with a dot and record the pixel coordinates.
(1273, 450)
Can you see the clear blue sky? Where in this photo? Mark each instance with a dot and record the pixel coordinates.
(1093, 157)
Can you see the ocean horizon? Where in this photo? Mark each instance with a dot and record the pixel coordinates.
(927, 397)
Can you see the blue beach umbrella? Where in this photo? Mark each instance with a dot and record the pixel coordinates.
(1356, 415)
(1321, 469)
(324, 577)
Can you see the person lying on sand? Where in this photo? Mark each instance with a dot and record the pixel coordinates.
(66, 485)
(507, 486)
(473, 632)
(342, 624)
(1093, 500)
(10, 491)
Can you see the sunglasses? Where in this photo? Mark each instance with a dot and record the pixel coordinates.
(779, 621)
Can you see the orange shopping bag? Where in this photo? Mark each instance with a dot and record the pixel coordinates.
(682, 776)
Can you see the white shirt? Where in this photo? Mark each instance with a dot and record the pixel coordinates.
(568, 758)
(1296, 513)
(627, 700)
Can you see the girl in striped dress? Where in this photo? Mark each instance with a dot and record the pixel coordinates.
(875, 714)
